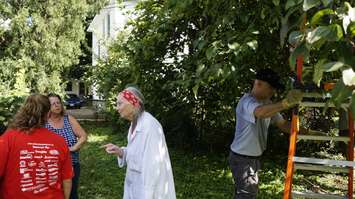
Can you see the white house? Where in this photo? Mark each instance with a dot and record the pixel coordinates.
(105, 27)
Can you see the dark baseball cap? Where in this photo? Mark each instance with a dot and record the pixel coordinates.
(271, 77)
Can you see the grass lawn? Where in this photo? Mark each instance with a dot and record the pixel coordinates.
(196, 176)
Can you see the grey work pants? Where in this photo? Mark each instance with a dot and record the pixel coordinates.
(244, 170)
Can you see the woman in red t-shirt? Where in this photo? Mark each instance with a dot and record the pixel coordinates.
(34, 162)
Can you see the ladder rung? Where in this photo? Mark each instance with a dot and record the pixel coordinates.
(316, 95)
(338, 163)
(316, 104)
(320, 104)
(298, 194)
(313, 167)
(323, 138)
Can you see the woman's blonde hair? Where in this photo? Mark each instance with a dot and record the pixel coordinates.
(32, 114)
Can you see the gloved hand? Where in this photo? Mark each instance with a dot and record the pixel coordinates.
(293, 98)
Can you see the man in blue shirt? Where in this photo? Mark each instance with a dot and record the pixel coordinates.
(254, 113)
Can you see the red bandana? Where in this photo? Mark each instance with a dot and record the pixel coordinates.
(130, 97)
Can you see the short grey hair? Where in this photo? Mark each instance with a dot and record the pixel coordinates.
(140, 109)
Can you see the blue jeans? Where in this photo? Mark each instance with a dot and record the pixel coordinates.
(75, 181)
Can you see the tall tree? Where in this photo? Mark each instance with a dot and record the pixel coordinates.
(193, 59)
(39, 40)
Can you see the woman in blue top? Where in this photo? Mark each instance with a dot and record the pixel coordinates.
(67, 126)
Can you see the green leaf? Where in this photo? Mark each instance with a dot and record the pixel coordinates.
(289, 4)
(300, 50)
(276, 2)
(308, 4)
(345, 53)
(211, 52)
(340, 93)
(262, 13)
(336, 33)
(326, 2)
(285, 25)
(201, 44)
(351, 30)
(195, 90)
(234, 46)
(320, 32)
(332, 32)
(318, 71)
(183, 4)
(199, 69)
(317, 18)
(350, 17)
(171, 3)
(332, 66)
(253, 44)
(295, 38)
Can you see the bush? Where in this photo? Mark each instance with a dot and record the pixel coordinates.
(9, 105)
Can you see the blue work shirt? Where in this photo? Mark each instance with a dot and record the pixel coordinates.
(251, 133)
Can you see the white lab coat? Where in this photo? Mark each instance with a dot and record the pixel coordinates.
(149, 174)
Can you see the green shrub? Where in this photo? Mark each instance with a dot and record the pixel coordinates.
(9, 105)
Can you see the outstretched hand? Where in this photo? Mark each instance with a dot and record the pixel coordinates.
(293, 98)
(113, 149)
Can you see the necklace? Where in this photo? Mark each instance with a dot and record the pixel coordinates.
(56, 121)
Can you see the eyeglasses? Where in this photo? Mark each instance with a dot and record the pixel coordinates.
(56, 103)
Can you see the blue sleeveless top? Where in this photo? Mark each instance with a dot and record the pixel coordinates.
(68, 134)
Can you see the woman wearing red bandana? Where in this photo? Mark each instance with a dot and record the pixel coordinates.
(149, 173)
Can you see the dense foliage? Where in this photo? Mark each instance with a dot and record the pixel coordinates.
(193, 59)
(39, 40)
(9, 105)
(325, 39)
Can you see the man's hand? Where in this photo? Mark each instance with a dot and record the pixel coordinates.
(293, 98)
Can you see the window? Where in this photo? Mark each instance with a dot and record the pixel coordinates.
(99, 49)
(69, 86)
(103, 28)
(108, 25)
(82, 88)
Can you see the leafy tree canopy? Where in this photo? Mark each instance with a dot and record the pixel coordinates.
(38, 41)
(326, 42)
(193, 59)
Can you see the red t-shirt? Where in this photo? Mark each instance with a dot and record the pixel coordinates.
(33, 165)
